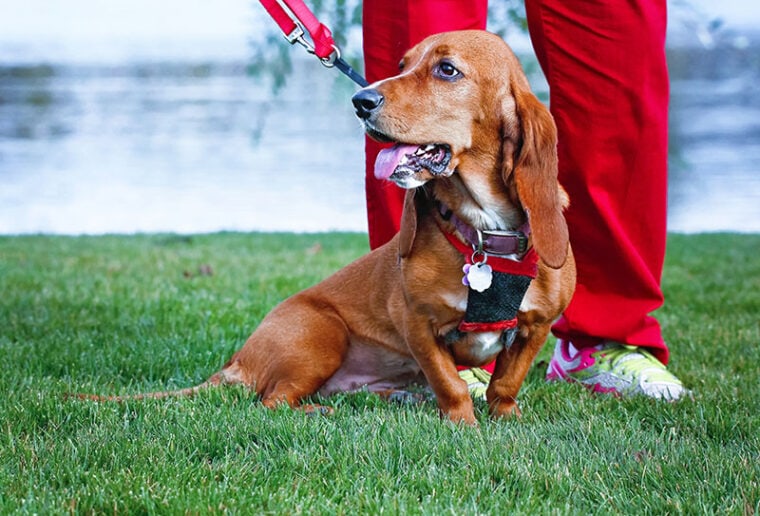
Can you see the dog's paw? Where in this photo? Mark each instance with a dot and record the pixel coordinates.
(505, 409)
(461, 413)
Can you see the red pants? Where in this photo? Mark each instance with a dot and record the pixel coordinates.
(605, 64)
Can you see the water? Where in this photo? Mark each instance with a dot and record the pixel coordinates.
(202, 146)
(175, 148)
(715, 140)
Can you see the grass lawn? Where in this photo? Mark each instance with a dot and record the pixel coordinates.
(123, 314)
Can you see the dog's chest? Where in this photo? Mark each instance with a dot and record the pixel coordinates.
(484, 345)
(486, 321)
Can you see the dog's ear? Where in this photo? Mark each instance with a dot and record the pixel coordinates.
(535, 176)
(408, 230)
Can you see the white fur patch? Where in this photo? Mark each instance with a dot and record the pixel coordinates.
(527, 303)
(455, 301)
(485, 345)
(489, 210)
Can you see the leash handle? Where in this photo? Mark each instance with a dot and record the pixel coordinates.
(294, 20)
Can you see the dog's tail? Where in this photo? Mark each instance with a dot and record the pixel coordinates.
(214, 381)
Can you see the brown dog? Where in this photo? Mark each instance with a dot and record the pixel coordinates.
(479, 160)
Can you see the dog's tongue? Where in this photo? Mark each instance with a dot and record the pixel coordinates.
(388, 159)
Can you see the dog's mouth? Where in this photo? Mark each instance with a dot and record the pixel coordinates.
(404, 160)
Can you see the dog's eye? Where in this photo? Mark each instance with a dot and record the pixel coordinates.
(401, 65)
(447, 71)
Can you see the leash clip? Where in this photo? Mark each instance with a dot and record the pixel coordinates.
(297, 35)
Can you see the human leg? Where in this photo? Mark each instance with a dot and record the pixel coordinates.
(605, 64)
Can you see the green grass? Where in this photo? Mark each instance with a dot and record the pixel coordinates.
(119, 314)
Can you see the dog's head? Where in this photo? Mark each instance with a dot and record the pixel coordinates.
(462, 104)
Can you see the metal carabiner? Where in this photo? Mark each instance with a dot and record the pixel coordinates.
(298, 34)
(329, 61)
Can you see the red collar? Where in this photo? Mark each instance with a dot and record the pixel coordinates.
(527, 266)
(492, 241)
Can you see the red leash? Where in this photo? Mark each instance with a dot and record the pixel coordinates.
(295, 19)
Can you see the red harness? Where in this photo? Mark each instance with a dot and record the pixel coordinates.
(495, 309)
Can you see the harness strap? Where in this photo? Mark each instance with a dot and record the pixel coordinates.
(468, 326)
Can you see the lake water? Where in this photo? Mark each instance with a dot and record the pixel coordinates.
(197, 147)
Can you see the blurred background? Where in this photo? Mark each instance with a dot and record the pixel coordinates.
(193, 116)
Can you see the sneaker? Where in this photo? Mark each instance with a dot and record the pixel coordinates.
(477, 381)
(614, 368)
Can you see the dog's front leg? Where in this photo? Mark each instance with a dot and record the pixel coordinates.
(437, 364)
(512, 366)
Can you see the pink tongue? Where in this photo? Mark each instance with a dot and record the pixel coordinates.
(388, 159)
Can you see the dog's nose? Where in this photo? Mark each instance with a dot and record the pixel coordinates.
(366, 102)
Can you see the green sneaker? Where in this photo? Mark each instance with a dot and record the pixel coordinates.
(615, 368)
(477, 381)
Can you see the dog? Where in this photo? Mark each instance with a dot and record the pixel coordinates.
(476, 152)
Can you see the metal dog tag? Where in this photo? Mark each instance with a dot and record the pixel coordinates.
(478, 276)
